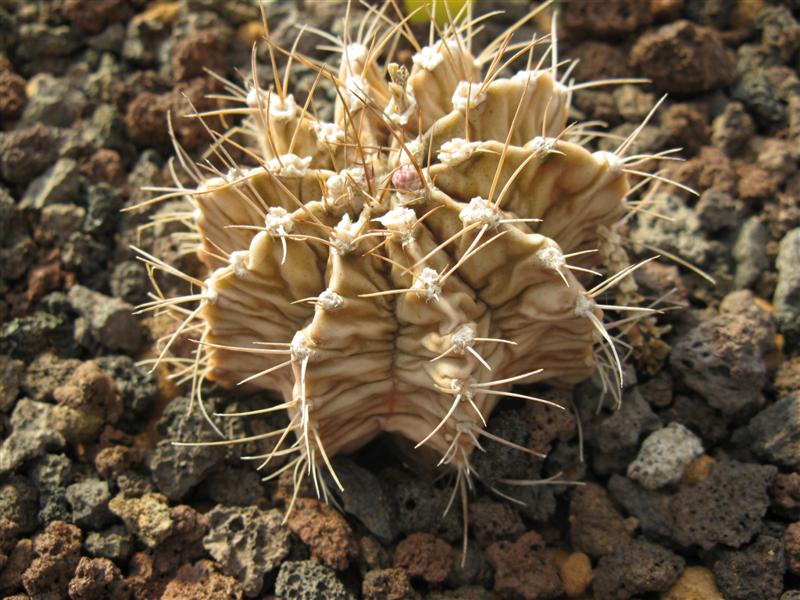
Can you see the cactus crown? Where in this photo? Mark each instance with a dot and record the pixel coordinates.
(400, 268)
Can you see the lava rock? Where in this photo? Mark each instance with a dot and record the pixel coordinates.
(683, 58)
(136, 385)
(366, 498)
(11, 373)
(607, 19)
(57, 550)
(248, 542)
(33, 433)
(775, 432)
(696, 583)
(750, 252)
(202, 581)
(725, 508)
(732, 129)
(754, 90)
(787, 292)
(523, 569)
(86, 403)
(114, 543)
(307, 580)
(233, 486)
(420, 507)
(785, 495)
(13, 96)
(18, 502)
(97, 578)
(425, 556)
(25, 153)
(89, 502)
(664, 455)
(635, 568)
(51, 474)
(596, 526)
(325, 531)
(755, 573)
(382, 584)
(791, 547)
(650, 508)
(493, 521)
(129, 281)
(110, 320)
(148, 517)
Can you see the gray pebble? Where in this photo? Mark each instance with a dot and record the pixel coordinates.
(129, 282)
(755, 573)
(787, 292)
(114, 543)
(110, 320)
(775, 432)
(39, 40)
(89, 502)
(18, 503)
(11, 373)
(307, 580)
(750, 252)
(32, 434)
(366, 498)
(60, 183)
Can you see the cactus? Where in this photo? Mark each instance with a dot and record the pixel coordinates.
(400, 268)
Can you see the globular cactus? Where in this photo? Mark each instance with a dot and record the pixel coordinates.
(400, 268)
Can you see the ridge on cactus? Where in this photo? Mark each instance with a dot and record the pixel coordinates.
(400, 268)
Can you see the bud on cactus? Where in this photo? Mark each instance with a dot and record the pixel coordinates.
(400, 268)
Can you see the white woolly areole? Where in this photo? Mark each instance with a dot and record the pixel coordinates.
(456, 151)
(467, 94)
(551, 257)
(356, 89)
(427, 284)
(543, 145)
(329, 133)
(345, 233)
(212, 183)
(238, 261)
(584, 305)
(278, 220)
(289, 165)
(330, 300)
(300, 348)
(338, 184)
(464, 337)
(613, 161)
(414, 148)
(400, 219)
(428, 58)
(282, 109)
(355, 53)
(480, 211)
(211, 293)
(529, 76)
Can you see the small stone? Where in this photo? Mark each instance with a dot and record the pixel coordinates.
(202, 581)
(699, 469)
(110, 320)
(136, 385)
(722, 359)
(754, 90)
(425, 556)
(750, 252)
(635, 568)
(307, 580)
(103, 206)
(53, 101)
(649, 508)
(387, 584)
(13, 96)
(755, 573)
(25, 153)
(576, 574)
(696, 583)
(86, 403)
(11, 373)
(683, 58)
(420, 507)
(89, 502)
(247, 542)
(323, 529)
(57, 550)
(45, 374)
(147, 517)
(129, 282)
(664, 456)
(492, 521)
(791, 547)
(787, 292)
(733, 129)
(114, 543)
(33, 433)
(725, 508)
(366, 498)
(780, 32)
(785, 494)
(197, 52)
(775, 432)
(19, 559)
(98, 578)
(523, 569)
(633, 103)
(686, 126)
(609, 19)
(596, 526)
(94, 16)
(18, 503)
(718, 210)
(51, 474)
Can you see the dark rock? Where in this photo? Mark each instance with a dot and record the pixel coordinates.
(136, 385)
(750, 252)
(231, 486)
(718, 210)
(609, 19)
(651, 509)
(420, 507)
(98, 578)
(248, 542)
(197, 52)
(307, 580)
(635, 568)
(11, 373)
(785, 494)
(387, 584)
(596, 526)
(103, 206)
(45, 374)
(425, 556)
(18, 503)
(716, 13)
(722, 360)
(732, 129)
(755, 573)
(791, 548)
(33, 432)
(27, 337)
(39, 40)
(787, 293)
(686, 126)
(725, 508)
(620, 432)
(93, 17)
(493, 521)
(114, 543)
(366, 498)
(58, 222)
(55, 102)
(13, 96)
(761, 99)
(129, 282)
(202, 581)
(51, 474)
(780, 32)
(775, 432)
(683, 58)
(110, 320)
(27, 152)
(143, 39)
(599, 60)
(89, 502)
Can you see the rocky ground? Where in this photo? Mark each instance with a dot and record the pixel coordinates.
(692, 488)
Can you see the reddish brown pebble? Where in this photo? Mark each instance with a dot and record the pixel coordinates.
(523, 569)
(57, 550)
(13, 96)
(324, 530)
(387, 584)
(202, 581)
(196, 53)
(425, 556)
(92, 16)
(98, 579)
